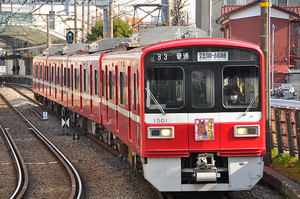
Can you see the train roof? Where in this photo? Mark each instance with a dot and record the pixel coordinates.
(106, 44)
(165, 33)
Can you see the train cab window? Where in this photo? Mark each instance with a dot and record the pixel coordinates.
(58, 75)
(164, 88)
(111, 85)
(203, 89)
(41, 72)
(76, 78)
(240, 86)
(65, 76)
(85, 80)
(103, 84)
(122, 88)
(96, 82)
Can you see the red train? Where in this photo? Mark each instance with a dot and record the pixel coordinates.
(188, 112)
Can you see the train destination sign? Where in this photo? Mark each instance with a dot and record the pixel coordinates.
(212, 56)
(182, 54)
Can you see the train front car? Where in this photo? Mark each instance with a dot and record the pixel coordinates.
(203, 128)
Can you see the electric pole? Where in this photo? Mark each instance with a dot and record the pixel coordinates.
(264, 45)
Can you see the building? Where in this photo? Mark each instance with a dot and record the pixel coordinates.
(205, 20)
(242, 22)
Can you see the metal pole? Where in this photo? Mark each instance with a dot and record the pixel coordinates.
(75, 23)
(169, 12)
(111, 26)
(273, 30)
(82, 25)
(210, 11)
(48, 35)
(88, 19)
(105, 29)
(264, 45)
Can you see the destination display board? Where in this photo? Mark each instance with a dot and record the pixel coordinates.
(202, 54)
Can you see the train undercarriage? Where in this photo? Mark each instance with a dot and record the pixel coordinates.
(198, 172)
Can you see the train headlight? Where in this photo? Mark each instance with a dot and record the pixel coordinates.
(160, 132)
(246, 131)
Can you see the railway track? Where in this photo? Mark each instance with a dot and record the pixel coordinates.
(76, 184)
(19, 164)
(29, 95)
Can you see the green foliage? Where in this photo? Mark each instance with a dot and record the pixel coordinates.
(274, 152)
(121, 29)
(284, 160)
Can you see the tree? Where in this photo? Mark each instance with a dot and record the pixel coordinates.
(179, 14)
(121, 29)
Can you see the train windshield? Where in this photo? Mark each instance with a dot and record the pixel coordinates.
(164, 88)
(203, 89)
(240, 86)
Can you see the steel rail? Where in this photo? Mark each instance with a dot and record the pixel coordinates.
(92, 137)
(20, 166)
(76, 181)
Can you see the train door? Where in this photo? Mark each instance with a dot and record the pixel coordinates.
(55, 83)
(91, 89)
(117, 98)
(106, 93)
(129, 105)
(203, 117)
(102, 94)
(72, 86)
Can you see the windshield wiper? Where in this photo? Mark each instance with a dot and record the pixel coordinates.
(155, 101)
(250, 104)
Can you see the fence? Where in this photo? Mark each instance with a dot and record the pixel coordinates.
(285, 127)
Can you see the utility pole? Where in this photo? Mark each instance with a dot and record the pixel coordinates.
(111, 24)
(48, 35)
(264, 45)
(75, 23)
(82, 25)
(169, 12)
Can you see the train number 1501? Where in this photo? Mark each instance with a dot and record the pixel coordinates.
(160, 120)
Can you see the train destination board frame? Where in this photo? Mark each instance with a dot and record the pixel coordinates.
(203, 54)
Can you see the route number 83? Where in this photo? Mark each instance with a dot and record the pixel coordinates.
(160, 56)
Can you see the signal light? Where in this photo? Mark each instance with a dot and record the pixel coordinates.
(70, 37)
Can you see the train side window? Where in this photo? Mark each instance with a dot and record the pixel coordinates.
(52, 74)
(85, 80)
(41, 72)
(45, 73)
(76, 78)
(134, 91)
(58, 75)
(69, 78)
(96, 82)
(111, 85)
(65, 76)
(122, 88)
(36, 71)
(48, 74)
(103, 84)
